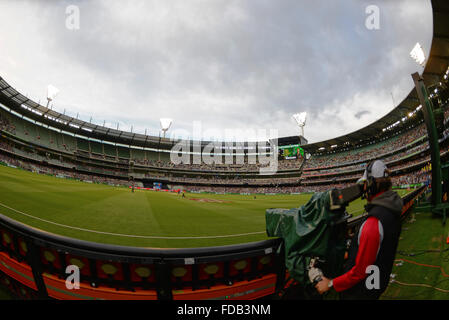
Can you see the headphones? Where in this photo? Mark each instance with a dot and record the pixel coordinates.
(369, 177)
(371, 187)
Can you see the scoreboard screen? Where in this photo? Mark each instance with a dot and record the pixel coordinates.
(291, 152)
(157, 185)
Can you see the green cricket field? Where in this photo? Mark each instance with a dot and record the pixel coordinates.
(115, 215)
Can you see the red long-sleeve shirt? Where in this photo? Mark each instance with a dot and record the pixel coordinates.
(370, 239)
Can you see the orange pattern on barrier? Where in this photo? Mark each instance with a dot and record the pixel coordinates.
(244, 290)
(57, 289)
(17, 270)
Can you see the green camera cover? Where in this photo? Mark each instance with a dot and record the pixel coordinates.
(310, 231)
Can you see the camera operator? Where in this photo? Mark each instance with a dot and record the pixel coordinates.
(375, 243)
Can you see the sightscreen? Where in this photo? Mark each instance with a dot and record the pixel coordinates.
(157, 185)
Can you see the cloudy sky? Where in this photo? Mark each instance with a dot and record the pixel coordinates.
(228, 64)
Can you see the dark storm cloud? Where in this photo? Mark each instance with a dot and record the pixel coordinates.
(229, 64)
(360, 114)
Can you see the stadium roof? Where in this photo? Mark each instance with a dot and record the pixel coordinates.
(436, 66)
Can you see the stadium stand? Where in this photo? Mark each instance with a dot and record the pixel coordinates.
(119, 163)
(56, 151)
(42, 140)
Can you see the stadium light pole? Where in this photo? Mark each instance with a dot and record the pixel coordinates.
(165, 125)
(52, 92)
(301, 119)
(418, 55)
(436, 206)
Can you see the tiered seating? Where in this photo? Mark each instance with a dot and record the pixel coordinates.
(104, 159)
(110, 150)
(69, 143)
(82, 144)
(137, 155)
(367, 153)
(123, 152)
(96, 147)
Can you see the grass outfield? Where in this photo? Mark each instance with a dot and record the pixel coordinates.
(105, 214)
(421, 274)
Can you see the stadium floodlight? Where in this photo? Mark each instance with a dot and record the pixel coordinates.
(301, 119)
(52, 92)
(165, 124)
(418, 55)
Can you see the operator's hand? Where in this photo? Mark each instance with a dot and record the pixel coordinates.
(315, 273)
(323, 285)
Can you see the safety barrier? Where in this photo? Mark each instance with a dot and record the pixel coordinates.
(409, 202)
(37, 262)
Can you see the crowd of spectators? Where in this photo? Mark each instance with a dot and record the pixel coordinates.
(361, 166)
(319, 175)
(60, 172)
(274, 187)
(245, 167)
(6, 125)
(214, 180)
(245, 190)
(331, 179)
(368, 152)
(5, 145)
(405, 179)
(265, 190)
(410, 163)
(411, 179)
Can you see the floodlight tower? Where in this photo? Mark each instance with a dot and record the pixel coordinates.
(418, 55)
(165, 124)
(301, 119)
(52, 92)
